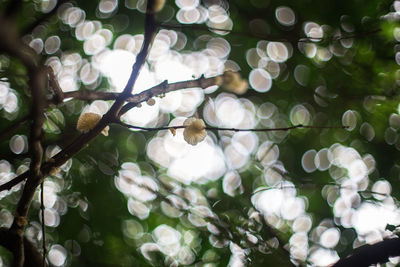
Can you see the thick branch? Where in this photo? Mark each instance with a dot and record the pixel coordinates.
(157, 90)
(84, 139)
(149, 33)
(54, 86)
(12, 8)
(8, 240)
(371, 254)
(165, 87)
(37, 85)
(11, 43)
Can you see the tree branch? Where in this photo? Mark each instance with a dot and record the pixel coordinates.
(8, 240)
(42, 208)
(371, 254)
(157, 90)
(149, 34)
(54, 86)
(37, 85)
(231, 129)
(82, 141)
(12, 8)
(165, 87)
(11, 43)
(269, 37)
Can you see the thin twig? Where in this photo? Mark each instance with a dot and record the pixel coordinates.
(274, 38)
(149, 34)
(281, 244)
(43, 223)
(232, 129)
(339, 186)
(339, 37)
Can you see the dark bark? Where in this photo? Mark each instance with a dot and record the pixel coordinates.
(371, 254)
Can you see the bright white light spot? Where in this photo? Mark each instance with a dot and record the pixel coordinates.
(147, 248)
(132, 229)
(300, 115)
(330, 237)
(382, 187)
(217, 14)
(166, 235)
(11, 102)
(371, 217)
(323, 159)
(231, 183)
(268, 201)
(37, 45)
(292, 208)
(52, 44)
(202, 161)
(302, 224)
(268, 153)
(307, 161)
(187, 4)
(168, 239)
(236, 156)
(357, 170)
(229, 112)
(278, 52)
(188, 16)
(367, 131)
(94, 44)
(323, 257)
(18, 143)
(260, 80)
(107, 6)
(220, 46)
(349, 119)
(185, 256)
(138, 209)
(314, 31)
(285, 16)
(51, 217)
(117, 65)
(57, 255)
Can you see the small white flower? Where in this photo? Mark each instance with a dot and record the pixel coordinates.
(87, 121)
(195, 131)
